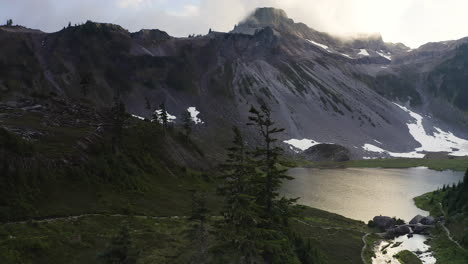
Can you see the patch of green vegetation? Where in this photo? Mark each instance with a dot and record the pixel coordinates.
(158, 240)
(450, 202)
(141, 178)
(445, 251)
(456, 164)
(407, 257)
(84, 239)
(338, 238)
(430, 202)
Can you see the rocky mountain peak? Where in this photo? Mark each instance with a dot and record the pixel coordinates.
(267, 16)
(262, 18)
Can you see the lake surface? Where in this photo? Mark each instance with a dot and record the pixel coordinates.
(362, 193)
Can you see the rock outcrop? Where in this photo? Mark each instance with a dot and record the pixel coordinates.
(398, 231)
(383, 222)
(424, 220)
(327, 152)
(417, 219)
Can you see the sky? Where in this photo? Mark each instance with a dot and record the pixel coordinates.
(412, 22)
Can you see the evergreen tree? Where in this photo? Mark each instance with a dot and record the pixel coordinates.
(120, 250)
(187, 119)
(163, 118)
(147, 103)
(85, 83)
(268, 157)
(239, 230)
(9, 22)
(275, 241)
(69, 25)
(198, 233)
(118, 116)
(465, 181)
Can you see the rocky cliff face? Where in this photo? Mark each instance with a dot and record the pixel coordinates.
(322, 89)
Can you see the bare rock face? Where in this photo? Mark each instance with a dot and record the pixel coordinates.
(383, 222)
(419, 228)
(428, 220)
(416, 220)
(398, 231)
(327, 152)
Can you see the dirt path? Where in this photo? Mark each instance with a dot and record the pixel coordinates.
(449, 235)
(364, 247)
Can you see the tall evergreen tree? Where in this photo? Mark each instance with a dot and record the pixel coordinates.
(147, 103)
(465, 181)
(118, 116)
(268, 155)
(239, 230)
(276, 243)
(163, 118)
(187, 124)
(85, 82)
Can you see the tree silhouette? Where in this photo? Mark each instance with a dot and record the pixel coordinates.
(187, 123)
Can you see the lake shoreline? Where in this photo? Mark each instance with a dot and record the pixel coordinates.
(455, 164)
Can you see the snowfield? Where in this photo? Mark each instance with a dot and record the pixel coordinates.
(439, 141)
(193, 114)
(301, 144)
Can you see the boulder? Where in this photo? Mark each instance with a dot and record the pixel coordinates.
(327, 152)
(419, 228)
(416, 220)
(398, 231)
(383, 222)
(428, 220)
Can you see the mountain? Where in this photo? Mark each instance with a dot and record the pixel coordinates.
(377, 99)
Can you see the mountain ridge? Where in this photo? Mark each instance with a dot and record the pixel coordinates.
(306, 82)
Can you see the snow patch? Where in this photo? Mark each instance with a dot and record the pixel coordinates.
(384, 55)
(325, 47)
(193, 114)
(372, 148)
(301, 144)
(363, 52)
(346, 55)
(139, 117)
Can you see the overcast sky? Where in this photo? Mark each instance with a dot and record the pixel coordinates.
(413, 22)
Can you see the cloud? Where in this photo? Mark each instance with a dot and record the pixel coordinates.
(413, 22)
(187, 11)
